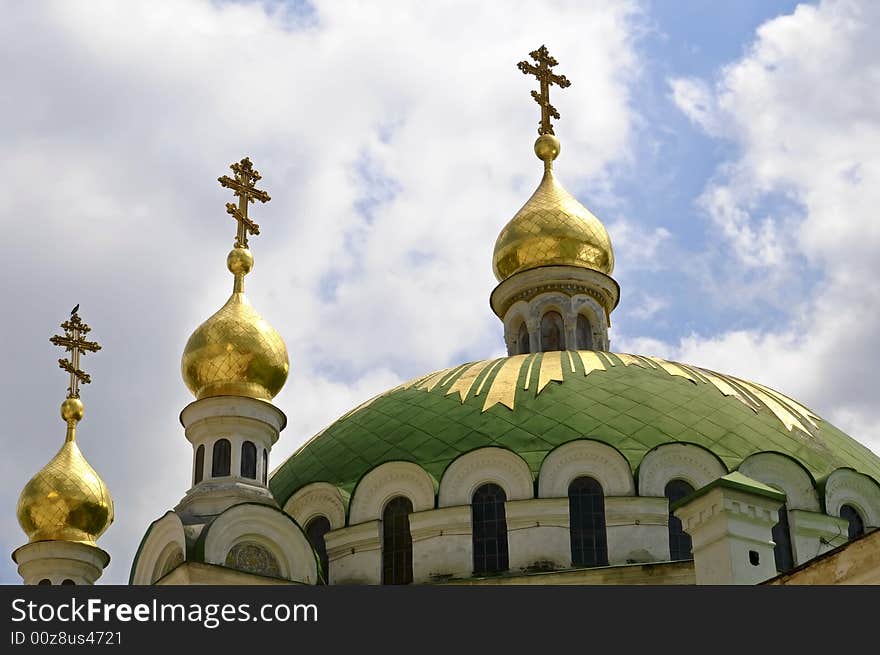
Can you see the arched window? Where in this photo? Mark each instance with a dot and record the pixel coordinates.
(679, 541)
(265, 465)
(249, 460)
(45, 581)
(856, 523)
(220, 458)
(200, 464)
(397, 542)
(586, 511)
(315, 531)
(522, 340)
(552, 332)
(584, 333)
(489, 529)
(68, 581)
(782, 552)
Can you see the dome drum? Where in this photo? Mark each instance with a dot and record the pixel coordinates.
(570, 280)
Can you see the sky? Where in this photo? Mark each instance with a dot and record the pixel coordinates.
(731, 148)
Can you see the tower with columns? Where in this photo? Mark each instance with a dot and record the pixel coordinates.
(234, 364)
(554, 259)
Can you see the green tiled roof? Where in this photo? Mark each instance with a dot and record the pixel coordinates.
(631, 403)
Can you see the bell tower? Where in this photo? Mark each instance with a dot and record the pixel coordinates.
(554, 259)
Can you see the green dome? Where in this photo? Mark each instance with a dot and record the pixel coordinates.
(531, 404)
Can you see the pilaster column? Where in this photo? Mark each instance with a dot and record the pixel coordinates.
(237, 419)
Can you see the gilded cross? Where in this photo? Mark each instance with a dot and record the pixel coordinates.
(243, 185)
(547, 78)
(76, 345)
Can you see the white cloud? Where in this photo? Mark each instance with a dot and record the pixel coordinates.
(639, 248)
(802, 108)
(694, 97)
(124, 114)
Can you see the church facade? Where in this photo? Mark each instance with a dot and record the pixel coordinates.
(561, 463)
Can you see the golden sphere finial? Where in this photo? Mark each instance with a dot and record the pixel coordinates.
(72, 409)
(547, 148)
(240, 261)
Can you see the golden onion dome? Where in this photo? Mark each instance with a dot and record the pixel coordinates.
(552, 228)
(235, 352)
(66, 500)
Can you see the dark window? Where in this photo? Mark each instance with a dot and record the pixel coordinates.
(249, 460)
(782, 536)
(856, 523)
(396, 542)
(489, 529)
(679, 540)
(584, 333)
(200, 464)
(68, 581)
(315, 531)
(45, 581)
(522, 340)
(552, 332)
(265, 465)
(220, 460)
(586, 510)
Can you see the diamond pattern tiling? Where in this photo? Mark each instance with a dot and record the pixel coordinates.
(631, 408)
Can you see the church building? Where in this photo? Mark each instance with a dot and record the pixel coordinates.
(562, 463)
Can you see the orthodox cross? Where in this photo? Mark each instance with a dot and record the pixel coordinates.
(546, 77)
(243, 185)
(76, 345)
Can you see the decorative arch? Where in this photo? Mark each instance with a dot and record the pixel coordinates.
(386, 481)
(515, 321)
(523, 340)
(585, 457)
(170, 558)
(317, 499)
(552, 331)
(549, 301)
(785, 474)
(594, 313)
(162, 537)
(677, 461)
(484, 465)
(848, 487)
(268, 528)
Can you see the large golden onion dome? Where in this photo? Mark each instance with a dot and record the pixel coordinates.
(235, 352)
(552, 228)
(66, 500)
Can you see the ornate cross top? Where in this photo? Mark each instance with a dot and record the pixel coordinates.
(546, 77)
(243, 185)
(76, 345)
